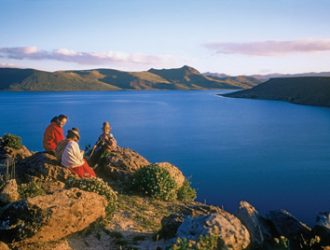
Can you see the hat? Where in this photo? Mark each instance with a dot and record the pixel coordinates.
(106, 125)
(74, 131)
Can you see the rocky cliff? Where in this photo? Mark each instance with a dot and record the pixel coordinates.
(44, 206)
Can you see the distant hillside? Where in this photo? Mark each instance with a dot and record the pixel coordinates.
(110, 79)
(239, 81)
(36, 80)
(302, 90)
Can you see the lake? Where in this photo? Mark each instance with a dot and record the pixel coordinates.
(273, 154)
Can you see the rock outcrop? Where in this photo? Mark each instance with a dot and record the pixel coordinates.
(3, 246)
(322, 226)
(9, 154)
(256, 224)
(54, 245)
(287, 225)
(121, 164)
(231, 232)
(42, 165)
(9, 192)
(50, 217)
(174, 172)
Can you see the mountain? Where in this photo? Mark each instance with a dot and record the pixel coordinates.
(186, 77)
(36, 80)
(242, 80)
(301, 90)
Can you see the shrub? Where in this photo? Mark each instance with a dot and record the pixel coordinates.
(30, 189)
(207, 242)
(2, 181)
(98, 186)
(22, 221)
(12, 141)
(186, 192)
(155, 182)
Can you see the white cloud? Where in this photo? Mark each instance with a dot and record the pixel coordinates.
(7, 65)
(85, 58)
(270, 48)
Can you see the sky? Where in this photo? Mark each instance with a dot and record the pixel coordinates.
(224, 36)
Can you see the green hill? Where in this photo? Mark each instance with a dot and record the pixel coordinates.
(109, 79)
(301, 90)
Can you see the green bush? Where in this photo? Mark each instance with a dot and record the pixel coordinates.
(12, 141)
(155, 182)
(30, 189)
(186, 192)
(207, 242)
(98, 186)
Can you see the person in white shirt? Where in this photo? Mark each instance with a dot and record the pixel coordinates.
(73, 158)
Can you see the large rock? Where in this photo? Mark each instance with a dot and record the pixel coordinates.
(9, 154)
(121, 164)
(50, 217)
(231, 232)
(3, 246)
(9, 192)
(256, 224)
(174, 172)
(172, 222)
(322, 226)
(54, 245)
(42, 165)
(287, 225)
(323, 220)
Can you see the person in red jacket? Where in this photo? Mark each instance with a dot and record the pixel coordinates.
(54, 132)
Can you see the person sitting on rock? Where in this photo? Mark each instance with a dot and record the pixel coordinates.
(54, 132)
(73, 157)
(105, 143)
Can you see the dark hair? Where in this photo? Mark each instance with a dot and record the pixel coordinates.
(61, 117)
(54, 119)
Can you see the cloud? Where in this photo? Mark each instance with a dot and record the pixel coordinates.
(7, 65)
(85, 58)
(271, 48)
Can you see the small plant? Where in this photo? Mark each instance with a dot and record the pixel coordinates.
(98, 186)
(2, 181)
(12, 141)
(155, 182)
(204, 242)
(30, 189)
(186, 192)
(23, 220)
(281, 243)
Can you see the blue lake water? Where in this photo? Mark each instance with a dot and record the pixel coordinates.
(272, 154)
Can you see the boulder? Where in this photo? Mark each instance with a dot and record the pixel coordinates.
(175, 172)
(231, 232)
(9, 192)
(323, 220)
(3, 246)
(8, 155)
(121, 164)
(170, 225)
(42, 165)
(172, 222)
(322, 227)
(54, 245)
(255, 223)
(50, 217)
(287, 225)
